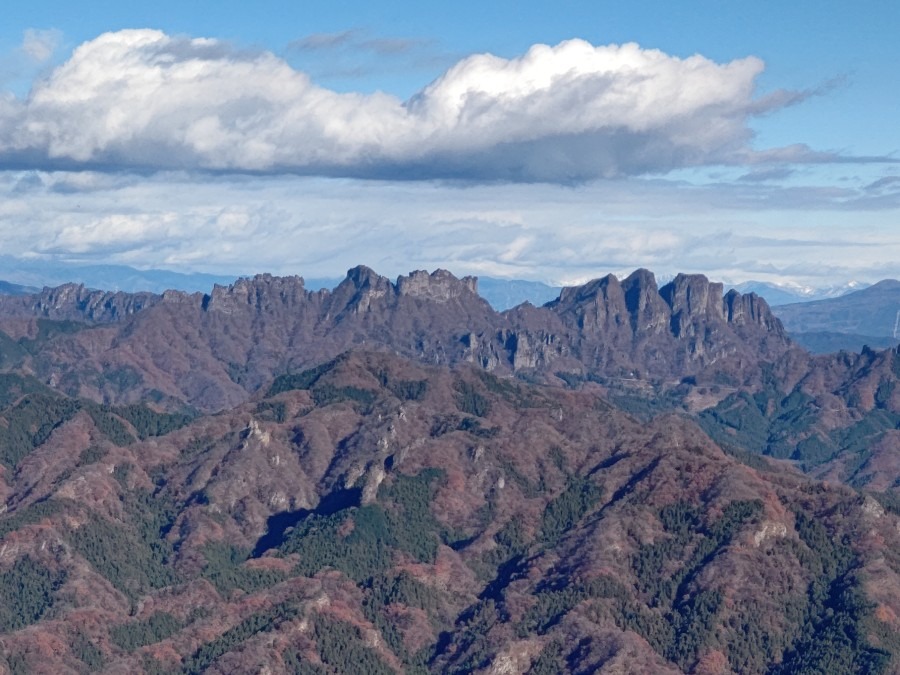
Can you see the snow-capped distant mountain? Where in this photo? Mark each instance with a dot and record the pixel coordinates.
(784, 294)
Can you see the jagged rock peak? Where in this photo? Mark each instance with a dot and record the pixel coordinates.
(365, 277)
(694, 301)
(440, 285)
(260, 290)
(641, 278)
(267, 281)
(694, 295)
(75, 301)
(605, 303)
(172, 297)
(641, 283)
(688, 306)
(649, 312)
(750, 309)
(360, 289)
(591, 291)
(66, 296)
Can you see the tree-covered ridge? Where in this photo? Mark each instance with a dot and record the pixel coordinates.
(27, 591)
(551, 530)
(793, 426)
(833, 633)
(302, 380)
(30, 412)
(362, 540)
(29, 424)
(133, 555)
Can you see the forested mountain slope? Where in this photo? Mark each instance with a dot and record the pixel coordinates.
(394, 477)
(373, 513)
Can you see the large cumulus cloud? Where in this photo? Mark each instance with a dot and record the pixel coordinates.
(142, 99)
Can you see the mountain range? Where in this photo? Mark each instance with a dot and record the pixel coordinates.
(502, 294)
(7, 288)
(870, 316)
(395, 477)
(829, 331)
(785, 294)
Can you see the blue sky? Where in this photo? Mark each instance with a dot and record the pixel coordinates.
(742, 140)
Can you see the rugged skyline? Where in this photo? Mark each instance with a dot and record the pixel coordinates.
(555, 148)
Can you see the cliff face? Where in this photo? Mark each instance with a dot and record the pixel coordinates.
(74, 302)
(683, 329)
(693, 302)
(687, 306)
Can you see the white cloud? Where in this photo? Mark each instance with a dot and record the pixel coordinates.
(143, 99)
(193, 121)
(39, 45)
(112, 233)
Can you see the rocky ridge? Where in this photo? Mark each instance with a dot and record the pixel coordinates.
(238, 337)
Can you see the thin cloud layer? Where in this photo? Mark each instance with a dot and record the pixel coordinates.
(141, 99)
(321, 227)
